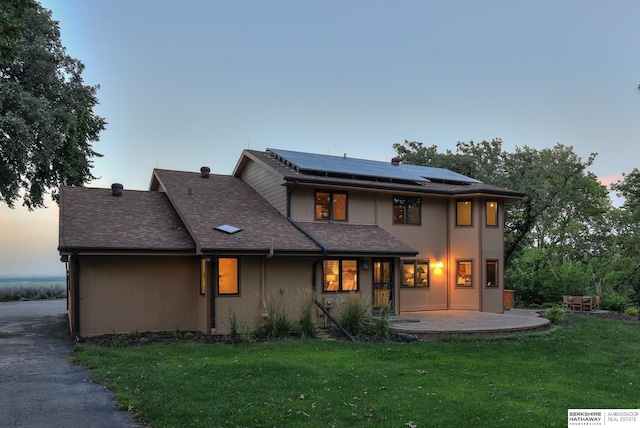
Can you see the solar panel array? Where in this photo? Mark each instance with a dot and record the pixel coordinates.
(343, 165)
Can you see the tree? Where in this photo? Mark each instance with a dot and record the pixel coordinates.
(47, 122)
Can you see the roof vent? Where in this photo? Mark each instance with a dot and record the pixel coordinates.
(395, 161)
(116, 189)
(204, 171)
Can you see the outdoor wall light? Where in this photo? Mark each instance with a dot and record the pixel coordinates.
(439, 264)
(364, 264)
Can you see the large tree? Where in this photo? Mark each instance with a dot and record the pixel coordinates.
(47, 123)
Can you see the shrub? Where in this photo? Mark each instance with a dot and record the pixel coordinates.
(239, 328)
(307, 326)
(379, 326)
(633, 311)
(555, 314)
(276, 323)
(354, 312)
(612, 301)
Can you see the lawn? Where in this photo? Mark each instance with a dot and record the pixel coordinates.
(523, 380)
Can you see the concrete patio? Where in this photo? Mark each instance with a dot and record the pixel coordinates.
(434, 325)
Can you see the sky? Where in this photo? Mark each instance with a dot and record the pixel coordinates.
(192, 83)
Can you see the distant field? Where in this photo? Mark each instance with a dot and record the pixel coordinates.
(33, 282)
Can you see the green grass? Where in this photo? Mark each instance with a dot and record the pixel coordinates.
(504, 382)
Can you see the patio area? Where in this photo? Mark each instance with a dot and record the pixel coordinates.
(434, 325)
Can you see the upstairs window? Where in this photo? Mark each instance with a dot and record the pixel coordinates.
(331, 206)
(463, 213)
(492, 213)
(406, 210)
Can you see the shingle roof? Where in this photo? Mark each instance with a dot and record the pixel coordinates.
(356, 238)
(93, 219)
(222, 199)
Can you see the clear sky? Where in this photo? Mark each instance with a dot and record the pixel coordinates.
(192, 83)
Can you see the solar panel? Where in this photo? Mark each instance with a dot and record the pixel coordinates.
(311, 162)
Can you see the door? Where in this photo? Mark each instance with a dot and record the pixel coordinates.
(383, 298)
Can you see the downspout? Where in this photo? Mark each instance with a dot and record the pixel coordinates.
(76, 296)
(263, 280)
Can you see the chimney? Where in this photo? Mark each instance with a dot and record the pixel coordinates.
(395, 161)
(116, 189)
(204, 171)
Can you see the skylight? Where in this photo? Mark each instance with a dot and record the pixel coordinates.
(227, 228)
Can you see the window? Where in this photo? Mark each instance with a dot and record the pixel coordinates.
(331, 206)
(463, 213)
(340, 275)
(415, 273)
(492, 273)
(228, 276)
(492, 213)
(406, 210)
(464, 273)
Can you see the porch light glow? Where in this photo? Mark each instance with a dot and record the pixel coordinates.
(439, 264)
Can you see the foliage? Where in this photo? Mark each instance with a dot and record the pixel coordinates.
(312, 383)
(612, 301)
(555, 314)
(47, 122)
(239, 327)
(354, 313)
(306, 325)
(8, 294)
(379, 325)
(633, 311)
(276, 323)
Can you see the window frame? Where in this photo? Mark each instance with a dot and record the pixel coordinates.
(464, 283)
(464, 201)
(340, 276)
(331, 216)
(415, 264)
(406, 199)
(497, 222)
(237, 286)
(496, 262)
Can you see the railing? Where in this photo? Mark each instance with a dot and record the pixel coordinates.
(334, 320)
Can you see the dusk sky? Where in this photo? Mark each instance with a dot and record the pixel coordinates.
(193, 83)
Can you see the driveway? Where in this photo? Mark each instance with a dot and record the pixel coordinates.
(39, 387)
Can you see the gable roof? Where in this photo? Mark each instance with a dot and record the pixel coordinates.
(94, 219)
(206, 203)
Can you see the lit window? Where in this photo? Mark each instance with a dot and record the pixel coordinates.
(203, 276)
(492, 213)
(464, 273)
(331, 206)
(415, 274)
(340, 275)
(228, 276)
(492, 273)
(406, 210)
(463, 213)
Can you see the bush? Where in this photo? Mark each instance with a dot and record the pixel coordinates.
(612, 301)
(354, 312)
(8, 294)
(633, 311)
(555, 314)
(307, 326)
(239, 328)
(379, 326)
(276, 323)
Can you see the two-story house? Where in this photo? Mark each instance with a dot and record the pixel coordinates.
(198, 246)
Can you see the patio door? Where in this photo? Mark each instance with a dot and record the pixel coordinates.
(383, 298)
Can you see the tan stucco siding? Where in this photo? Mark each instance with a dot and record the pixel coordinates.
(267, 184)
(493, 249)
(361, 206)
(121, 294)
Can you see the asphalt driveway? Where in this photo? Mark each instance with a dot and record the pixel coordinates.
(39, 387)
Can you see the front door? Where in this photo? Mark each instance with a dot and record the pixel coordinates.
(383, 285)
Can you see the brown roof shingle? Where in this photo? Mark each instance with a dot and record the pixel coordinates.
(222, 199)
(94, 219)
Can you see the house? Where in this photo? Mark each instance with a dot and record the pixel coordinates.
(198, 246)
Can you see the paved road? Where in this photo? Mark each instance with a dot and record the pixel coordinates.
(39, 387)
